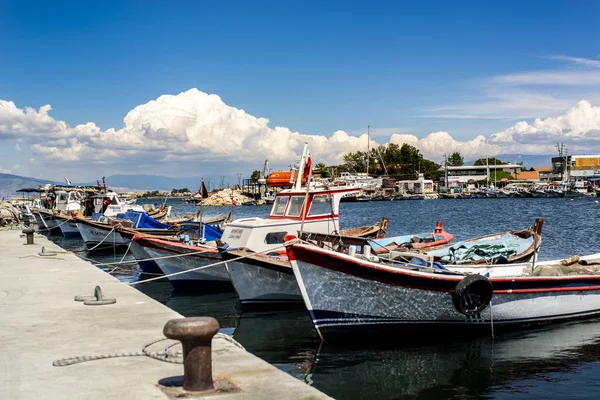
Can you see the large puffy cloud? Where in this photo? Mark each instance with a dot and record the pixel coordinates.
(198, 126)
(437, 143)
(578, 128)
(189, 125)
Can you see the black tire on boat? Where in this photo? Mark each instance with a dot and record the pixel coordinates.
(472, 294)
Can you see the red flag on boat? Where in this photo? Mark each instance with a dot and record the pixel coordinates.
(308, 166)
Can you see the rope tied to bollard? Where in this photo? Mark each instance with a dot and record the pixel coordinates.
(167, 355)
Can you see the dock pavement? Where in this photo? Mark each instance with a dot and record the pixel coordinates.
(40, 322)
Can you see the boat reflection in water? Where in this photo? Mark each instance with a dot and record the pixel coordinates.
(531, 362)
(286, 339)
(223, 306)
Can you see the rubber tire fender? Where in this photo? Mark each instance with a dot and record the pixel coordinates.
(472, 295)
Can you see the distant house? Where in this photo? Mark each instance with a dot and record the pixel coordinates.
(546, 173)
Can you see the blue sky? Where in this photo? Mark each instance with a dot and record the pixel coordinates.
(466, 68)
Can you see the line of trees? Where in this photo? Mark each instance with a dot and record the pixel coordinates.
(403, 162)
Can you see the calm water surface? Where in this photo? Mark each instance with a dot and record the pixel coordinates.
(561, 361)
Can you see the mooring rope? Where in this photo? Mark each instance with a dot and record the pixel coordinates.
(175, 357)
(54, 227)
(207, 266)
(105, 237)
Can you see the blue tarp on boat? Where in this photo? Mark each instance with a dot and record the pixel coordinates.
(211, 232)
(141, 220)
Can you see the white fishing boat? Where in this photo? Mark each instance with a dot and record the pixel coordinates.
(192, 262)
(347, 293)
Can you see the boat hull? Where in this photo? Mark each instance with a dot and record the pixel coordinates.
(50, 222)
(142, 257)
(102, 237)
(345, 296)
(69, 228)
(41, 224)
(207, 278)
(262, 282)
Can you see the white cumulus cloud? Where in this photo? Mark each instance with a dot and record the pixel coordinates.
(195, 127)
(578, 128)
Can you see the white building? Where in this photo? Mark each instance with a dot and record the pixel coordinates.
(420, 186)
(473, 173)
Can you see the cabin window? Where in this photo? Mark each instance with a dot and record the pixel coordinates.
(295, 206)
(62, 197)
(279, 205)
(321, 205)
(275, 238)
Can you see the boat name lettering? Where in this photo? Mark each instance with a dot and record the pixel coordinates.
(236, 233)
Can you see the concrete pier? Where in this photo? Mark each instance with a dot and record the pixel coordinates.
(40, 323)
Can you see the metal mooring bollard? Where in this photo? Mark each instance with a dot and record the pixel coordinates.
(29, 234)
(195, 335)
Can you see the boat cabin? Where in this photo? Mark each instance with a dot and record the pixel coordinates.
(110, 205)
(68, 201)
(292, 211)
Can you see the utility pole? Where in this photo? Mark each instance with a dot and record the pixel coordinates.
(239, 176)
(487, 163)
(560, 148)
(446, 167)
(368, 147)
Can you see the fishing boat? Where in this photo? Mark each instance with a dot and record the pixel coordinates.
(118, 232)
(268, 278)
(366, 293)
(193, 261)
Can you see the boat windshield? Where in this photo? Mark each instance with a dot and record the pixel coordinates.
(279, 205)
(321, 205)
(295, 206)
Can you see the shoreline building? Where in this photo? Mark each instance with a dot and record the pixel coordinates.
(473, 173)
(578, 167)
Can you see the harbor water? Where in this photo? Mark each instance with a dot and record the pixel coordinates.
(559, 361)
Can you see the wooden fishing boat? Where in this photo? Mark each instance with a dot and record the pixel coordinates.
(175, 257)
(364, 293)
(499, 248)
(268, 278)
(377, 230)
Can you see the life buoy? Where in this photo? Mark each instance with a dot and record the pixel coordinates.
(472, 295)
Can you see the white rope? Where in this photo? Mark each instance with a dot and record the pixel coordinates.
(54, 227)
(209, 266)
(105, 237)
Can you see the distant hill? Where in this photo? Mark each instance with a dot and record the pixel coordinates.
(529, 160)
(158, 182)
(9, 184)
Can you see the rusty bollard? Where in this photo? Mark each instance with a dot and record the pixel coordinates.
(29, 234)
(195, 335)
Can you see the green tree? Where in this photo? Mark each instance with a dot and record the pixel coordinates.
(491, 161)
(456, 160)
(356, 162)
(255, 176)
(322, 170)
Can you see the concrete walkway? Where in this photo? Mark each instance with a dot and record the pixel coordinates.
(40, 323)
